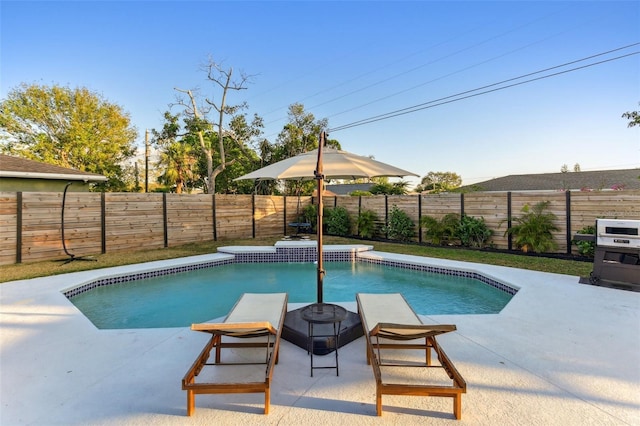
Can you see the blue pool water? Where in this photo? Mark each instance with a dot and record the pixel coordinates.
(197, 296)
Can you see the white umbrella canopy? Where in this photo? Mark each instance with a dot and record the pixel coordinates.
(320, 164)
(337, 165)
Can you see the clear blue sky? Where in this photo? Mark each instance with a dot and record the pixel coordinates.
(349, 61)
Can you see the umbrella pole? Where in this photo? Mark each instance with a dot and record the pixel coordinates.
(320, 178)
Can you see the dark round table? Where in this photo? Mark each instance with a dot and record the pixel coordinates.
(323, 315)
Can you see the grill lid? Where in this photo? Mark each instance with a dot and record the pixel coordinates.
(618, 233)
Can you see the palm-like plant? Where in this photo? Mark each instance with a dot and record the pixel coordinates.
(533, 230)
(366, 223)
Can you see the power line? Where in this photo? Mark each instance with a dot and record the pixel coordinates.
(469, 93)
(400, 74)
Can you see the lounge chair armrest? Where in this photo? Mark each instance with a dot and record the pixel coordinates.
(410, 331)
(237, 329)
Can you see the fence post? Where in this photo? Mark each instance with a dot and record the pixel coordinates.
(284, 219)
(164, 219)
(103, 222)
(359, 213)
(386, 216)
(420, 218)
(568, 219)
(461, 204)
(253, 216)
(509, 239)
(213, 208)
(19, 227)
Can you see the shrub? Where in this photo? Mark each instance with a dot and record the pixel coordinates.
(440, 231)
(338, 221)
(400, 226)
(533, 229)
(586, 248)
(473, 232)
(310, 215)
(366, 223)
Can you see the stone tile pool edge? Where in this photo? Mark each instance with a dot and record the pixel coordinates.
(285, 251)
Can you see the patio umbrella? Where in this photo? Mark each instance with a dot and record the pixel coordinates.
(337, 165)
(320, 164)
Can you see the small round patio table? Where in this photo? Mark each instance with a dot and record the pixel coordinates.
(323, 315)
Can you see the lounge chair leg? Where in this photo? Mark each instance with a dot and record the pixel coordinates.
(428, 351)
(378, 403)
(267, 397)
(457, 406)
(218, 345)
(191, 402)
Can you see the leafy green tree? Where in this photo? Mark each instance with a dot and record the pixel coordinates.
(72, 128)
(633, 117)
(436, 182)
(299, 135)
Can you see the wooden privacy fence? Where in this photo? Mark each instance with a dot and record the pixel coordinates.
(31, 230)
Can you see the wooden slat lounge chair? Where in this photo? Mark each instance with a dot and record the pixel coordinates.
(255, 321)
(390, 324)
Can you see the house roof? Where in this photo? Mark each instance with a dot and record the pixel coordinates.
(595, 180)
(16, 167)
(348, 188)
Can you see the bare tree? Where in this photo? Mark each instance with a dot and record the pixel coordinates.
(223, 79)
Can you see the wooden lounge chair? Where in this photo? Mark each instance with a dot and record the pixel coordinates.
(390, 324)
(255, 321)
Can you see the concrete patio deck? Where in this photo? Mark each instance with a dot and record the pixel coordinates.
(560, 353)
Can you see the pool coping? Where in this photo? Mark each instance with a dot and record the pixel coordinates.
(560, 353)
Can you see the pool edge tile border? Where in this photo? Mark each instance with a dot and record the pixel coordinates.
(298, 251)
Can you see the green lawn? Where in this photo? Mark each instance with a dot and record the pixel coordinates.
(41, 269)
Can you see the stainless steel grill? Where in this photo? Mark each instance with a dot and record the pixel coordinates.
(616, 260)
(618, 233)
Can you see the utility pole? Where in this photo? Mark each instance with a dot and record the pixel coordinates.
(146, 160)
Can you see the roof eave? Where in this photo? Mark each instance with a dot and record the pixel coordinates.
(52, 176)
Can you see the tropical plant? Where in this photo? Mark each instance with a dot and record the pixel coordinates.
(440, 231)
(586, 248)
(400, 226)
(533, 230)
(366, 223)
(338, 221)
(473, 232)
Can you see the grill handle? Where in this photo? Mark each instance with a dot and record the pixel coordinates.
(585, 237)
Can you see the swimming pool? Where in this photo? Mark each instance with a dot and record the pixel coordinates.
(178, 300)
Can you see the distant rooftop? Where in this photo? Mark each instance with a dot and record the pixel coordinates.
(16, 167)
(593, 180)
(348, 188)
